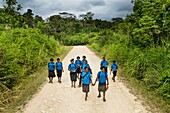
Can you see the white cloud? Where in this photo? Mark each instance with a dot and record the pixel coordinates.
(103, 9)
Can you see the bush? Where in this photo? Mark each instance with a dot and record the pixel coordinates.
(149, 66)
(22, 51)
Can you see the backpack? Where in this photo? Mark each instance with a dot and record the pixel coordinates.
(104, 72)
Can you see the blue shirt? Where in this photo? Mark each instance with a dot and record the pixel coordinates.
(78, 63)
(102, 76)
(51, 66)
(59, 66)
(82, 62)
(72, 67)
(104, 63)
(85, 65)
(86, 77)
(114, 66)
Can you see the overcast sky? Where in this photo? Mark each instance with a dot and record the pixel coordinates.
(103, 9)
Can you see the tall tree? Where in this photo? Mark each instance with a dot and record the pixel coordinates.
(28, 18)
(11, 12)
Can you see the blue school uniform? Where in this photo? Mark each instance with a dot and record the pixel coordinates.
(72, 67)
(86, 77)
(51, 66)
(82, 62)
(104, 63)
(114, 66)
(78, 63)
(85, 65)
(102, 77)
(59, 65)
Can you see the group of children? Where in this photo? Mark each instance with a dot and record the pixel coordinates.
(81, 69)
(58, 66)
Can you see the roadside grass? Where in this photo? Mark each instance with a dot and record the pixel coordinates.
(155, 103)
(14, 100)
(149, 98)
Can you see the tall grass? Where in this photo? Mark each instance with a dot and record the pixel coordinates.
(149, 66)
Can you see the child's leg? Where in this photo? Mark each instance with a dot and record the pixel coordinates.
(99, 95)
(71, 83)
(113, 78)
(86, 96)
(59, 79)
(104, 94)
(80, 81)
(74, 84)
(51, 79)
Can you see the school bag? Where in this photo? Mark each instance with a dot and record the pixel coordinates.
(104, 72)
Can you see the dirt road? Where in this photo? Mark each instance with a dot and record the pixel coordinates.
(61, 98)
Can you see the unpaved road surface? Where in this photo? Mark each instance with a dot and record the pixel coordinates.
(61, 98)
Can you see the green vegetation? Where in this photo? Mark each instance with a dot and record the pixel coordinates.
(140, 43)
(23, 51)
(15, 99)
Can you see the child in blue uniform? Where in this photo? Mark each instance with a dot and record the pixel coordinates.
(82, 70)
(104, 63)
(51, 69)
(102, 77)
(78, 64)
(84, 59)
(114, 68)
(86, 80)
(73, 75)
(59, 69)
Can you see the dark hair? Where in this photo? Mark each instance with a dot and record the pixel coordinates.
(104, 57)
(72, 60)
(102, 67)
(78, 57)
(114, 61)
(84, 56)
(58, 58)
(51, 59)
(86, 67)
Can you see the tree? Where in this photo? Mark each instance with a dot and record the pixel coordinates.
(38, 19)
(87, 17)
(28, 18)
(11, 13)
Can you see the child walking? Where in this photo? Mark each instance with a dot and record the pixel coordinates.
(114, 68)
(51, 69)
(59, 69)
(102, 77)
(83, 70)
(73, 75)
(86, 80)
(78, 64)
(104, 63)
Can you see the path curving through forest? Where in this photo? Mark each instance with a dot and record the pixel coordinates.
(61, 98)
